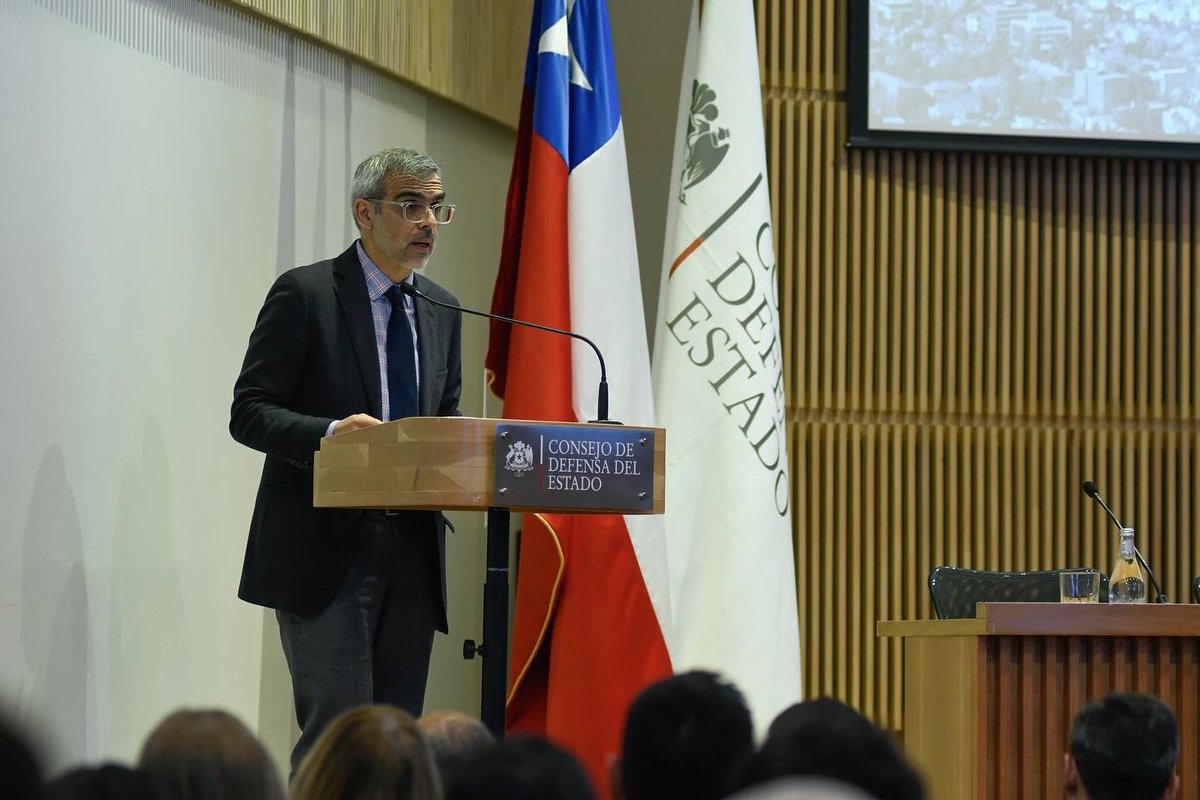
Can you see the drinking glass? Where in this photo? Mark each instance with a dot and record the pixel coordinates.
(1079, 586)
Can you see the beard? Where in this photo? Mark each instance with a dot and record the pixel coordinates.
(399, 253)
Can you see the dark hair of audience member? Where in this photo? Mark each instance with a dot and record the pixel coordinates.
(1125, 746)
(690, 735)
(369, 753)
(209, 755)
(828, 738)
(454, 738)
(104, 782)
(20, 773)
(522, 768)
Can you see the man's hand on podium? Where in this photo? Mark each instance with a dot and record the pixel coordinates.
(355, 422)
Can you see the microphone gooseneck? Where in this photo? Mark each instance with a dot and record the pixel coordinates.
(601, 391)
(1091, 491)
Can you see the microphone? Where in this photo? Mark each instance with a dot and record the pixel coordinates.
(1091, 491)
(601, 391)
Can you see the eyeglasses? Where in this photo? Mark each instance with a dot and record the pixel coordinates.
(417, 212)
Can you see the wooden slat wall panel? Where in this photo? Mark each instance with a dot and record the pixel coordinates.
(1040, 683)
(968, 337)
(469, 51)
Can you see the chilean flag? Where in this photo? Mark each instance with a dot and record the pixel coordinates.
(592, 594)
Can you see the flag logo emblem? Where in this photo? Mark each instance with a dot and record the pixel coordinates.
(706, 143)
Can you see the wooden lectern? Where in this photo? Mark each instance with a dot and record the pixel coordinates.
(988, 701)
(497, 466)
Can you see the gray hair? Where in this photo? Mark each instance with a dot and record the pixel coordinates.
(801, 788)
(370, 176)
(454, 738)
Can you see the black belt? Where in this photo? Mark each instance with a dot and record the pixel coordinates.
(376, 513)
(388, 514)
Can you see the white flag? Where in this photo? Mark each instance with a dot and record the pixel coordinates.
(718, 380)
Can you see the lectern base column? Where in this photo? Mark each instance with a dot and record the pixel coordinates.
(495, 623)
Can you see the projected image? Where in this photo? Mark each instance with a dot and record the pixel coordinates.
(1110, 69)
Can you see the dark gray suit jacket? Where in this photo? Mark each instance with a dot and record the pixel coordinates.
(312, 359)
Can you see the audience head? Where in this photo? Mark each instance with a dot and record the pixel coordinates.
(689, 735)
(454, 738)
(521, 768)
(202, 754)
(369, 753)
(20, 774)
(827, 738)
(1123, 746)
(105, 782)
(801, 789)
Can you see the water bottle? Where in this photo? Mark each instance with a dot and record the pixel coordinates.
(1128, 581)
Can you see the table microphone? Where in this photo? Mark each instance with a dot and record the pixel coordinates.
(602, 390)
(1091, 491)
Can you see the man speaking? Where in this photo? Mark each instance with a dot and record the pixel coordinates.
(338, 347)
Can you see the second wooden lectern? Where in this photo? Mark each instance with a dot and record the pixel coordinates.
(988, 701)
(497, 466)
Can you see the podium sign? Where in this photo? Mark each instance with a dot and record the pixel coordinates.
(574, 468)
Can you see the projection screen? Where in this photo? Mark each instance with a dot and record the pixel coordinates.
(1093, 77)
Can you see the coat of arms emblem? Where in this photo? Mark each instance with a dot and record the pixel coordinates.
(519, 459)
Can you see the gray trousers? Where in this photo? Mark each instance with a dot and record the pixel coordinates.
(371, 644)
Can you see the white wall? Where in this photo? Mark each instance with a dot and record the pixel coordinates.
(162, 161)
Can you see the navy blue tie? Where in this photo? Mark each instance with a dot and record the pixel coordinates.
(401, 361)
